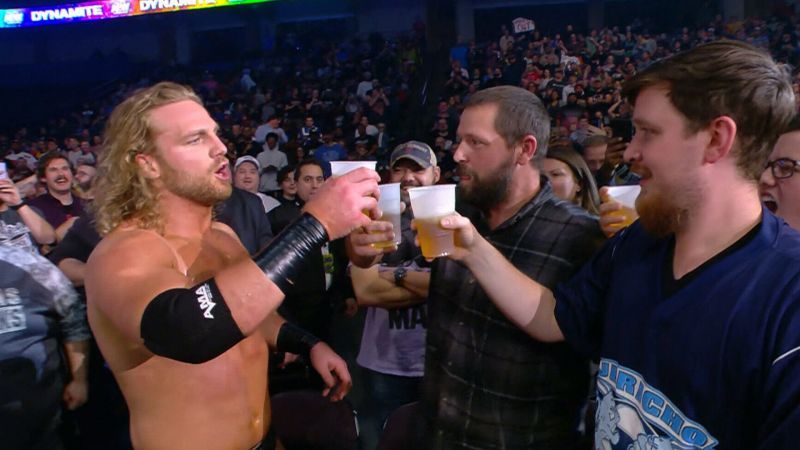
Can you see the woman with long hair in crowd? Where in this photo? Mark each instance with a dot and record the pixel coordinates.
(570, 178)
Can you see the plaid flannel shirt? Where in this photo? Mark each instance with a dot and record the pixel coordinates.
(488, 385)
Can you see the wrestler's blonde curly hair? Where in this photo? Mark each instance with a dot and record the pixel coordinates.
(122, 193)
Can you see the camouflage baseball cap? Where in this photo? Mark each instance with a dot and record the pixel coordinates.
(417, 151)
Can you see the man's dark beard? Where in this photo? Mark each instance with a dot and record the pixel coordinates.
(488, 193)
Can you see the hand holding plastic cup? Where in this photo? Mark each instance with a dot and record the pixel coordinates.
(430, 204)
(389, 204)
(626, 196)
(339, 168)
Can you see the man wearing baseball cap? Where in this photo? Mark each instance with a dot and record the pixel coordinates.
(393, 341)
(246, 172)
(413, 164)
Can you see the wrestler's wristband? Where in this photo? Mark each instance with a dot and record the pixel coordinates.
(283, 258)
(293, 339)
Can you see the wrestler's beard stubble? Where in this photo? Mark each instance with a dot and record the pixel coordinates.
(199, 189)
(487, 192)
(664, 213)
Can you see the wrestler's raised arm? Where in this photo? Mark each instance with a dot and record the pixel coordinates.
(134, 281)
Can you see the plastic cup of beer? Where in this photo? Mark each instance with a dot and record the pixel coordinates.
(339, 168)
(430, 204)
(626, 196)
(389, 204)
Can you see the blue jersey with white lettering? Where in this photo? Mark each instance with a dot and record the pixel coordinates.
(711, 364)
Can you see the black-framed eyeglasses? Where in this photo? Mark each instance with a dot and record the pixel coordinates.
(782, 167)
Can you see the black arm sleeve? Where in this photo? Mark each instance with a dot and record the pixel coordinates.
(283, 258)
(195, 325)
(191, 325)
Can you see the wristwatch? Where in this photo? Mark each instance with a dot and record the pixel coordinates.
(399, 276)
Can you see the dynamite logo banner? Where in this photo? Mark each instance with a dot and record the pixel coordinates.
(105, 9)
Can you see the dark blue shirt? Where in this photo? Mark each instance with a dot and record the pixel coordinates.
(708, 361)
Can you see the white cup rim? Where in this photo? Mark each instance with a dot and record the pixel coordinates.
(355, 163)
(349, 166)
(623, 189)
(390, 191)
(625, 195)
(434, 187)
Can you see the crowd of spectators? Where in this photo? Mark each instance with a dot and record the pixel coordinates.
(355, 93)
(579, 75)
(351, 100)
(355, 90)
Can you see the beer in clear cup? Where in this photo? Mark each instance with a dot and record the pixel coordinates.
(430, 204)
(625, 196)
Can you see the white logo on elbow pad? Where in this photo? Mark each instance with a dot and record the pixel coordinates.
(204, 298)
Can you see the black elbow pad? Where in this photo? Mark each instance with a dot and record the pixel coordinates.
(191, 325)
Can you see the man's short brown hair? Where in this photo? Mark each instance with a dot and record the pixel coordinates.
(306, 162)
(46, 159)
(519, 113)
(726, 78)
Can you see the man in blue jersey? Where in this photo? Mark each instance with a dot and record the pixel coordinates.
(694, 311)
